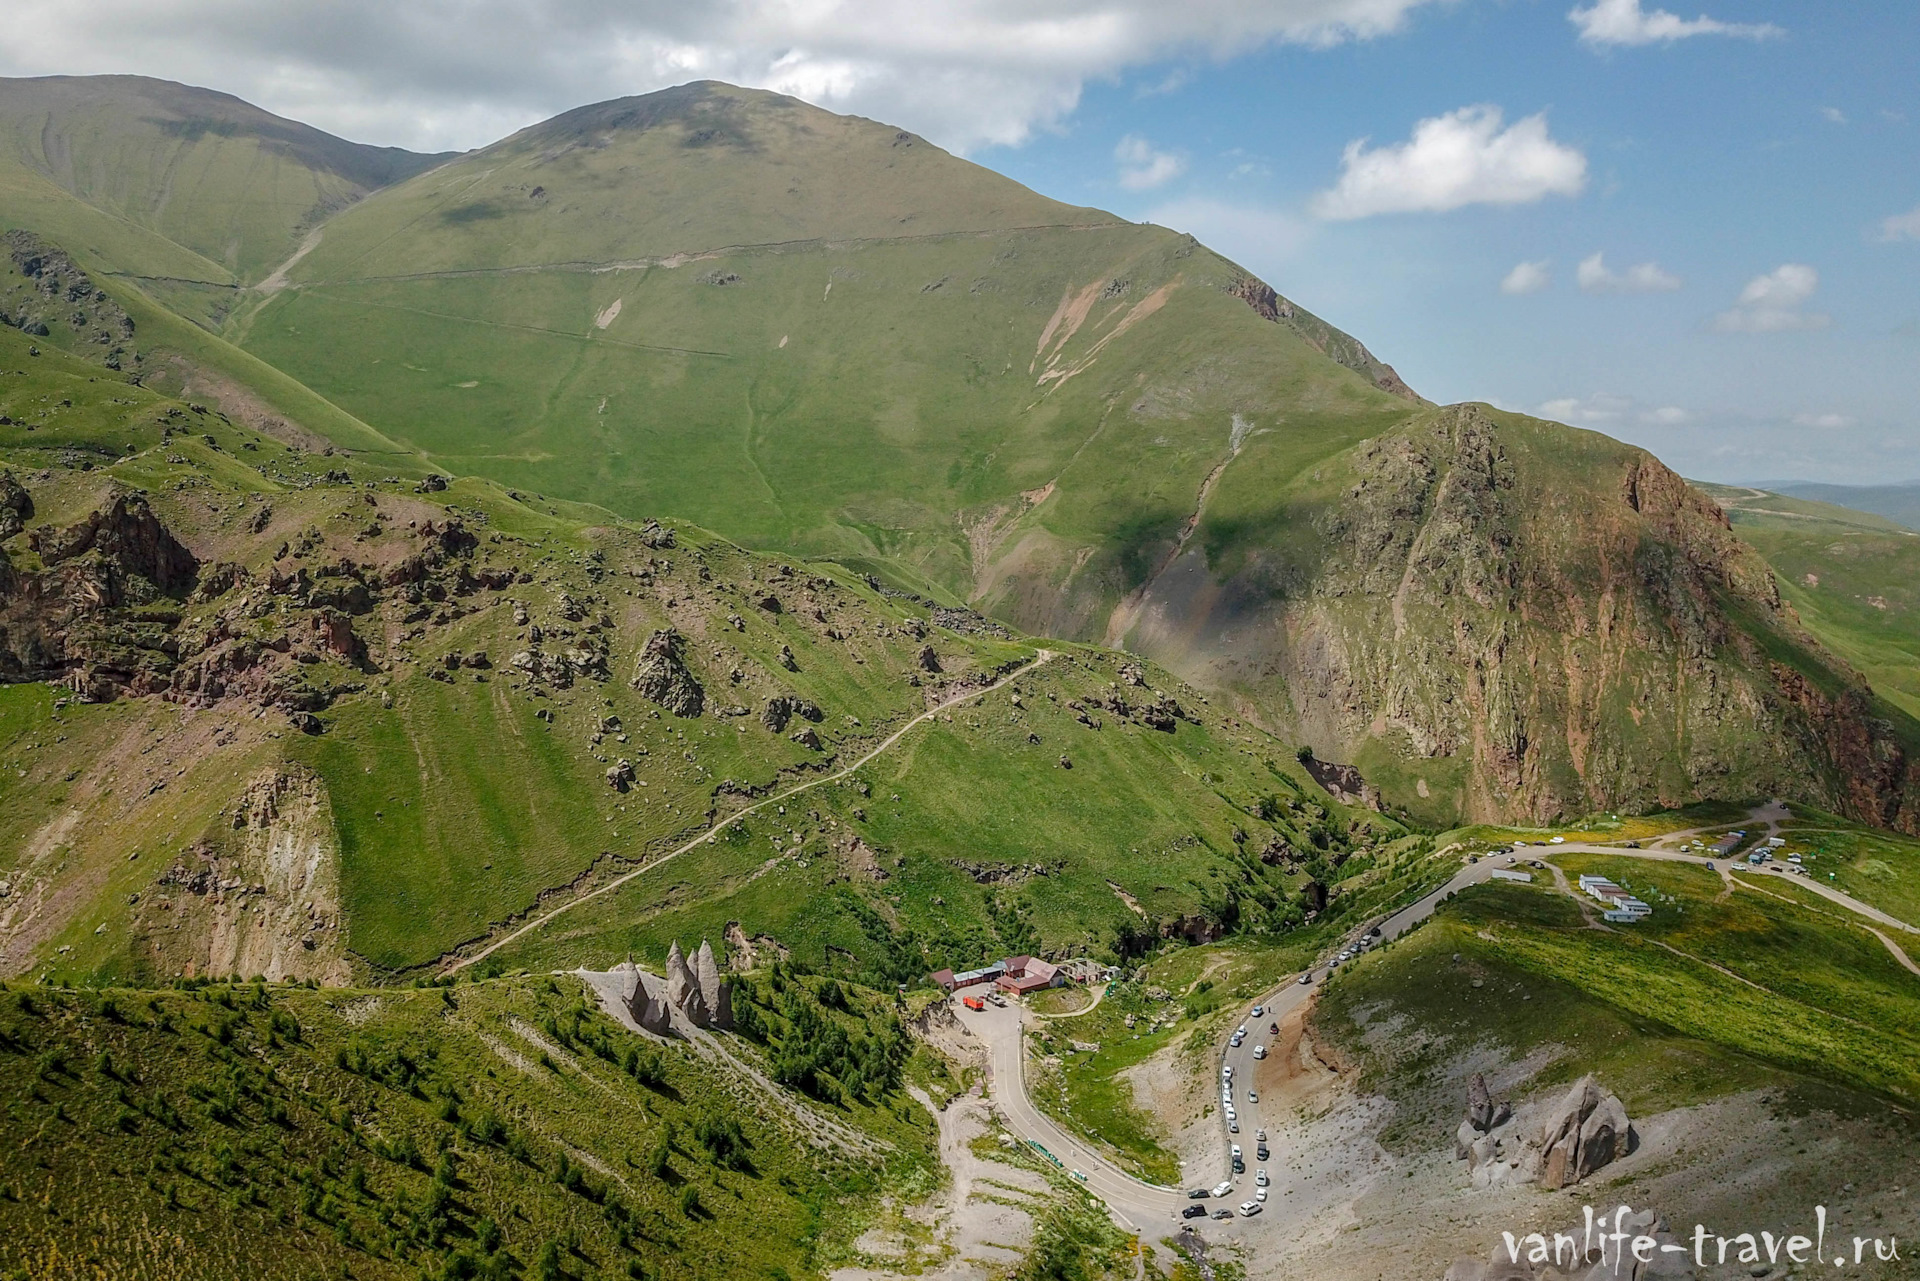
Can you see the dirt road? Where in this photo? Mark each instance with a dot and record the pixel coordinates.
(886, 745)
(1143, 1207)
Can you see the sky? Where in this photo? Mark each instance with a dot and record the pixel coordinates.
(1695, 228)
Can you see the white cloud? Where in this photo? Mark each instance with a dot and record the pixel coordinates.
(1826, 422)
(1833, 115)
(460, 73)
(1142, 168)
(1461, 158)
(1597, 410)
(1641, 278)
(1774, 303)
(1905, 226)
(1624, 22)
(1607, 411)
(1526, 278)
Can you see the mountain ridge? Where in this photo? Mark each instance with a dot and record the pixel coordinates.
(1091, 429)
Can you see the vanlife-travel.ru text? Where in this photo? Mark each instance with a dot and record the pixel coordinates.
(1620, 1247)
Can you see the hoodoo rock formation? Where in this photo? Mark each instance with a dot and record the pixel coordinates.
(713, 989)
(1585, 1129)
(683, 989)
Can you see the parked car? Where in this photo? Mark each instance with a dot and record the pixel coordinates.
(1194, 1212)
(1253, 1096)
(1260, 1178)
(1260, 1153)
(1256, 1011)
(1239, 1166)
(1223, 1188)
(1306, 978)
(1259, 1051)
(1260, 1195)
(1631, 845)
(1250, 1208)
(1223, 1213)
(1261, 1137)
(1196, 1194)
(1233, 1127)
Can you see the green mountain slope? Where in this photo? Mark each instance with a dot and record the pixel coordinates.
(1853, 577)
(1899, 503)
(498, 1129)
(401, 717)
(231, 187)
(707, 301)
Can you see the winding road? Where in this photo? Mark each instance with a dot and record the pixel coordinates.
(1142, 1206)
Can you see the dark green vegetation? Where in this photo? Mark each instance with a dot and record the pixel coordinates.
(486, 1130)
(704, 302)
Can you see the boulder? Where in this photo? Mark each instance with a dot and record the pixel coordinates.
(662, 678)
(1588, 1129)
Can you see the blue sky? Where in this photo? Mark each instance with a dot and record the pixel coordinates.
(1719, 158)
(1749, 176)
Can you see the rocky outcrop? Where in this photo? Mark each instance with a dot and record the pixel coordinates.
(124, 549)
(713, 989)
(645, 1006)
(781, 709)
(16, 506)
(1589, 1129)
(1562, 1143)
(662, 678)
(683, 988)
(73, 622)
(1557, 621)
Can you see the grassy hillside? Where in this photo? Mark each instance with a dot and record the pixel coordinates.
(1854, 578)
(1090, 429)
(282, 771)
(175, 181)
(1899, 503)
(497, 1129)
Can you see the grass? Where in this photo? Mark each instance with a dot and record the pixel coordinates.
(1850, 576)
(1753, 977)
(253, 1130)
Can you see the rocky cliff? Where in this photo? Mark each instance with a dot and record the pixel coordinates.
(1500, 618)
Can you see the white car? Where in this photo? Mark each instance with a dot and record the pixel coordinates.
(1223, 1188)
(1249, 1208)
(1256, 1011)
(1260, 1137)
(1260, 1194)
(1253, 1096)
(1259, 1051)
(1260, 1177)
